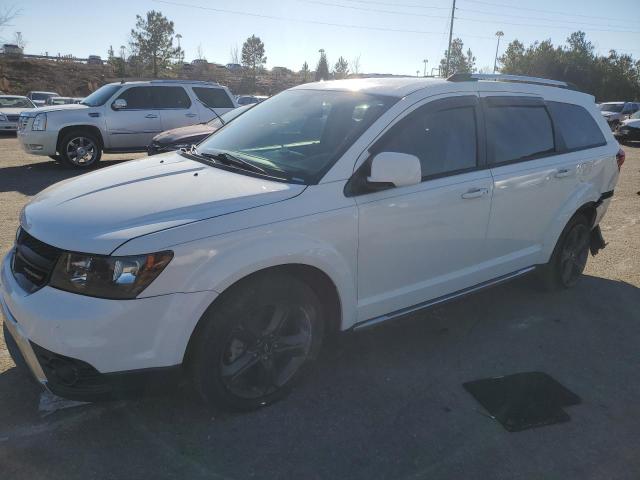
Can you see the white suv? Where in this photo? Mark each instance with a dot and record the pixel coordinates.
(119, 117)
(330, 206)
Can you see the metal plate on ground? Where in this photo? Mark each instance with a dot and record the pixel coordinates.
(523, 400)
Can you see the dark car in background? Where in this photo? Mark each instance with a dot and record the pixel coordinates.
(184, 137)
(629, 130)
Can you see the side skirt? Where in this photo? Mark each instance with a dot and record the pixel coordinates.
(445, 298)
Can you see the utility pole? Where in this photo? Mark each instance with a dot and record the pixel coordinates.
(499, 34)
(425, 67)
(453, 12)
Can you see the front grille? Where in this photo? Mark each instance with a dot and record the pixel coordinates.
(33, 262)
(13, 118)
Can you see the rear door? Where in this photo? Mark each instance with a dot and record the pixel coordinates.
(175, 107)
(212, 98)
(133, 127)
(532, 177)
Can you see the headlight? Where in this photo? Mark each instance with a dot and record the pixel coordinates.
(39, 122)
(3, 117)
(108, 277)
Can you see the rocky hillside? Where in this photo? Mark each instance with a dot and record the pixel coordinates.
(20, 75)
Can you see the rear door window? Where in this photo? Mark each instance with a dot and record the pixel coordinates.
(518, 132)
(575, 126)
(213, 97)
(171, 97)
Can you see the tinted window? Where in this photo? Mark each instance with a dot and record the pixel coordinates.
(171, 97)
(518, 133)
(138, 98)
(576, 126)
(444, 140)
(213, 97)
(100, 96)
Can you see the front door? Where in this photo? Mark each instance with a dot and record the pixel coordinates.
(424, 241)
(133, 127)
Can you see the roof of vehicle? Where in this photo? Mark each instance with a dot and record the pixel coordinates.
(42, 91)
(12, 96)
(613, 103)
(390, 86)
(403, 86)
(170, 82)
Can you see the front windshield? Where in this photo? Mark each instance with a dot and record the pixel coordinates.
(611, 107)
(100, 96)
(15, 102)
(228, 116)
(299, 132)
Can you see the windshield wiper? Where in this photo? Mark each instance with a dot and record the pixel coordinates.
(228, 159)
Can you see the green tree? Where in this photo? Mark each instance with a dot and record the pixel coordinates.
(459, 61)
(152, 41)
(304, 72)
(609, 77)
(253, 56)
(341, 68)
(322, 70)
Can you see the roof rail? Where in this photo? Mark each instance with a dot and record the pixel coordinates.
(501, 77)
(175, 80)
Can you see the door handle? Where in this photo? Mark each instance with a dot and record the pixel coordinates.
(151, 115)
(190, 114)
(563, 172)
(475, 193)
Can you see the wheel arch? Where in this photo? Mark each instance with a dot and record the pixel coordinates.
(79, 128)
(321, 283)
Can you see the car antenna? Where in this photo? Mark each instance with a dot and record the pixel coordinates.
(214, 112)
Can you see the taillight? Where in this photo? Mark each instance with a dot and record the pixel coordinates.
(620, 158)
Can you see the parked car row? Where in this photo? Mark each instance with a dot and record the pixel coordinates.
(615, 112)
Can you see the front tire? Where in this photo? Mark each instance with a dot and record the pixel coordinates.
(569, 257)
(256, 341)
(80, 150)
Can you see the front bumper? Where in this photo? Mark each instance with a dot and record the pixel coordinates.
(103, 340)
(38, 143)
(627, 133)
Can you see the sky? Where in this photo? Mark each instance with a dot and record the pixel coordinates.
(388, 36)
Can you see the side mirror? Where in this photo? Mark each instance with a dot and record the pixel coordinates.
(119, 104)
(399, 169)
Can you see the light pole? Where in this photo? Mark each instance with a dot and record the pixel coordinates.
(417, 73)
(425, 67)
(499, 34)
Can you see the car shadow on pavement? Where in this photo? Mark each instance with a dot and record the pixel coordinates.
(382, 403)
(31, 179)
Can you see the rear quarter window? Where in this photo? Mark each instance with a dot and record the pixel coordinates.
(576, 126)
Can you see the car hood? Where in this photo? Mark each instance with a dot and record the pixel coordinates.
(56, 108)
(609, 114)
(177, 135)
(632, 122)
(14, 111)
(99, 211)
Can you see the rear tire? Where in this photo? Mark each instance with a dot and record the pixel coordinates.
(80, 150)
(256, 341)
(569, 256)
